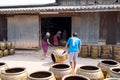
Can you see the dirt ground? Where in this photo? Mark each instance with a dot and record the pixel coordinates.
(31, 60)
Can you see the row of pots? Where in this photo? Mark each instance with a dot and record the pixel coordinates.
(102, 51)
(7, 52)
(6, 45)
(6, 48)
(60, 71)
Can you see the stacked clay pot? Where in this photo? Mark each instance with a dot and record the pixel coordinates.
(84, 52)
(94, 51)
(105, 51)
(116, 52)
(6, 48)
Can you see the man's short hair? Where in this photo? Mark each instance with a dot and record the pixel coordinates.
(75, 34)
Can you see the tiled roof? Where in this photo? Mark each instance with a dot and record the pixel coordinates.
(88, 8)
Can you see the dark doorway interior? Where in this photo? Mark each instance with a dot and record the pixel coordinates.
(54, 24)
(3, 28)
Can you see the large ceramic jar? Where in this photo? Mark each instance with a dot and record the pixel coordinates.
(1, 53)
(106, 64)
(93, 72)
(11, 51)
(57, 56)
(3, 66)
(3, 45)
(41, 75)
(5, 52)
(17, 73)
(9, 45)
(60, 70)
(75, 77)
(114, 72)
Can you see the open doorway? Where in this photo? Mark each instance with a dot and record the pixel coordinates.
(54, 24)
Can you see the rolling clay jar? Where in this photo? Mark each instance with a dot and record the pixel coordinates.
(57, 56)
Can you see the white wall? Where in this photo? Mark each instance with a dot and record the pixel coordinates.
(23, 30)
(87, 25)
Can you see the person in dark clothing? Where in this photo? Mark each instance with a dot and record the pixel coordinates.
(45, 43)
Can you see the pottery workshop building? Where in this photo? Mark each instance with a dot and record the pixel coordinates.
(24, 23)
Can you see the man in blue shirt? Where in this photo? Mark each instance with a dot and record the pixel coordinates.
(73, 46)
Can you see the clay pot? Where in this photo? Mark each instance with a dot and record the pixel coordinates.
(114, 72)
(94, 51)
(93, 72)
(94, 55)
(41, 75)
(117, 56)
(105, 47)
(105, 51)
(18, 73)
(57, 56)
(106, 64)
(3, 66)
(3, 45)
(105, 56)
(5, 52)
(84, 52)
(94, 47)
(75, 77)
(12, 51)
(1, 53)
(9, 45)
(60, 70)
(116, 48)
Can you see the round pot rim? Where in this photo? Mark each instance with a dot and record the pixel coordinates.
(111, 69)
(2, 63)
(109, 60)
(4, 71)
(99, 69)
(41, 78)
(60, 55)
(64, 77)
(60, 69)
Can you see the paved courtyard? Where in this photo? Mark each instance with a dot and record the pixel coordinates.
(31, 60)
